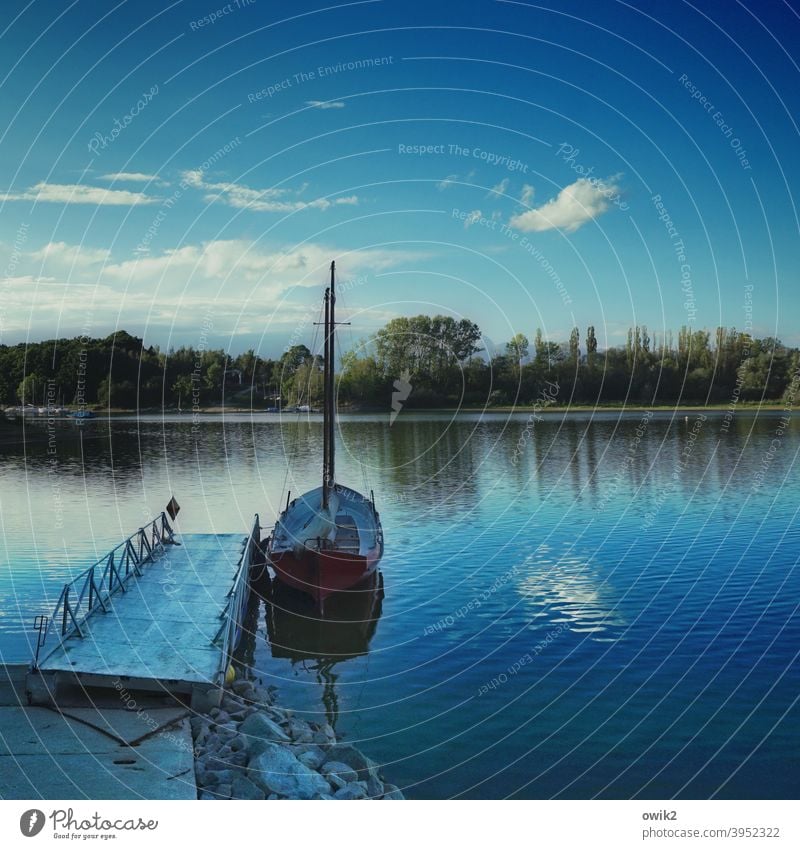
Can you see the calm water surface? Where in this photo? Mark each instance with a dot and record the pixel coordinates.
(562, 610)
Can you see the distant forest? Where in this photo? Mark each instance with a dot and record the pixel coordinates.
(433, 361)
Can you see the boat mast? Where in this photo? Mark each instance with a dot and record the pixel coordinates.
(330, 394)
(325, 433)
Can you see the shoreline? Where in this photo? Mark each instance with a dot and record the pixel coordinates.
(103, 413)
(251, 748)
(248, 748)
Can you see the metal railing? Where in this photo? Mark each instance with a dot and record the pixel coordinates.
(232, 614)
(94, 587)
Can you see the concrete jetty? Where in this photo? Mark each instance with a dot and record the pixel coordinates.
(160, 613)
(137, 644)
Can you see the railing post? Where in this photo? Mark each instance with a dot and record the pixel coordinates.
(66, 606)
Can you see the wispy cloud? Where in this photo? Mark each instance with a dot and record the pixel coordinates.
(60, 253)
(325, 104)
(240, 196)
(472, 218)
(582, 201)
(501, 188)
(130, 177)
(447, 182)
(527, 194)
(74, 193)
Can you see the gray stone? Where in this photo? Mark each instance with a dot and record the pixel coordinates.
(238, 759)
(205, 796)
(223, 790)
(392, 792)
(273, 797)
(284, 714)
(217, 760)
(277, 770)
(375, 787)
(312, 756)
(243, 788)
(259, 726)
(221, 776)
(243, 688)
(263, 695)
(231, 704)
(209, 778)
(238, 743)
(320, 739)
(347, 754)
(300, 731)
(356, 790)
(339, 774)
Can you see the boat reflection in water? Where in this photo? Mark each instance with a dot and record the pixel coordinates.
(299, 633)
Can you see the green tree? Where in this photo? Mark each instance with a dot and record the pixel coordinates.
(591, 345)
(575, 345)
(517, 348)
(29, 389)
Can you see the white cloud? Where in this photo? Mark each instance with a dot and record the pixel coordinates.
(501, 188)
(72, 255)
(244, 286)
(472, 218)
(73, 193)
(325, 104)
(527, 194)
(240, 196)
(574, 205)
(447, 182)
(130, 177)
(230, 262)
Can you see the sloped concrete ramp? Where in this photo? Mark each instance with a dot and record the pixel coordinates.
(95, 754)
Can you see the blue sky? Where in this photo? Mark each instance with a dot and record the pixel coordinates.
(170, 168)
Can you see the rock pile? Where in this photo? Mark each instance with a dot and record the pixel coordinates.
(248, 748)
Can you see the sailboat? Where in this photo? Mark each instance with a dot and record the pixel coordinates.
(330, 539)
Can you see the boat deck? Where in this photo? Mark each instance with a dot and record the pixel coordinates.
(163, 631)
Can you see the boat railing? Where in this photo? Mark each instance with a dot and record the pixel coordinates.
(232, 614)
(93, 588)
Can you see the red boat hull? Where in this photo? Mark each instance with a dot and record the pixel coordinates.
(321, 573)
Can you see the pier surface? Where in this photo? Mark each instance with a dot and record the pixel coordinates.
(165, 632)
(90, 753)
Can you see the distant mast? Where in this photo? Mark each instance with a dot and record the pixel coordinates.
(331, 384)
(325, 367)
(329, 404)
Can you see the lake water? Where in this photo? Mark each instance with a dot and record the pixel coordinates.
(582, 606)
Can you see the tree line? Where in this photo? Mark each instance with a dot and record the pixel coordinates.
(441, 359)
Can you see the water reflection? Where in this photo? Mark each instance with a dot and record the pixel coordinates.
(564, 589)
(318, 643)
